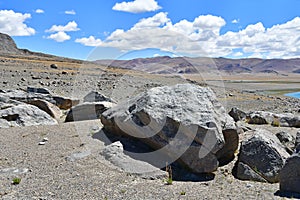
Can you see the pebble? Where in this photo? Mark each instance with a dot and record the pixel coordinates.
(42, 143)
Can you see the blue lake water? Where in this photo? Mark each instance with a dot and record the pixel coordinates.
(294, 94)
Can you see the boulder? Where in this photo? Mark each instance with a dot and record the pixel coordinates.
(290, 121)
(54, 66)
(48, 107)
(283, 120)
(287, 140)
(260, 117)
(38, 90)
(237, 114)
(87, 111)
(262, 152)
(25, 97)
(115, 154)
(25, 115)
(184, 122)
(290, 174)
(246, 173)
(64, 102)
(94, 96)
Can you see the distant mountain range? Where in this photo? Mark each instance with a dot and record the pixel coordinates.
(179, 65)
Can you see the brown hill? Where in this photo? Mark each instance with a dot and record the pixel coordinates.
(167, 65)
(8, 48)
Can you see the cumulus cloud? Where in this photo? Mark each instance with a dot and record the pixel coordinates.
(39, 11)
(137, 6)
(90, 41)
(13, 23)
(202, 37)
(235, 21)
(278, 41)
(71, 26)
(238, 54)
(59, 37)
(70, 12)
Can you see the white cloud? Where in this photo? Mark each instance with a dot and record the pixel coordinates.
(39, 11)
(90, 41)
(70, 12)
(13, 23)
(157, 20)
(238, 54)
(137, 6)
(202, 37)
(59, 37)
(71, 26)
(279, 41)
(235, 21)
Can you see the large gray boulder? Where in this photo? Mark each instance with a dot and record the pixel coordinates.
(290, 174)
(184, 122)
(87, 111)
(24, 115)
(262, 154)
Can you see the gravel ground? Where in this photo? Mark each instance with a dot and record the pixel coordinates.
(52, 175)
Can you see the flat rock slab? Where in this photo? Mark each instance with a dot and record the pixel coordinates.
(115, 154)
(87, 111)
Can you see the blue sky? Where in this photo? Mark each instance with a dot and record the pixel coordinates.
(110, 29)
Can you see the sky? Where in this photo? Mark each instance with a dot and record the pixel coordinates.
(114, 29)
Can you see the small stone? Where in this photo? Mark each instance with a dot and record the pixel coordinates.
(53, 66)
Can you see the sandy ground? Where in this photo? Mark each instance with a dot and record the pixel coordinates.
(52, 175)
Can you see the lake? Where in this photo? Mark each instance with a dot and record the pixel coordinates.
(294, 94)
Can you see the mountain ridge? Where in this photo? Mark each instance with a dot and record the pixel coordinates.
(166, 64)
